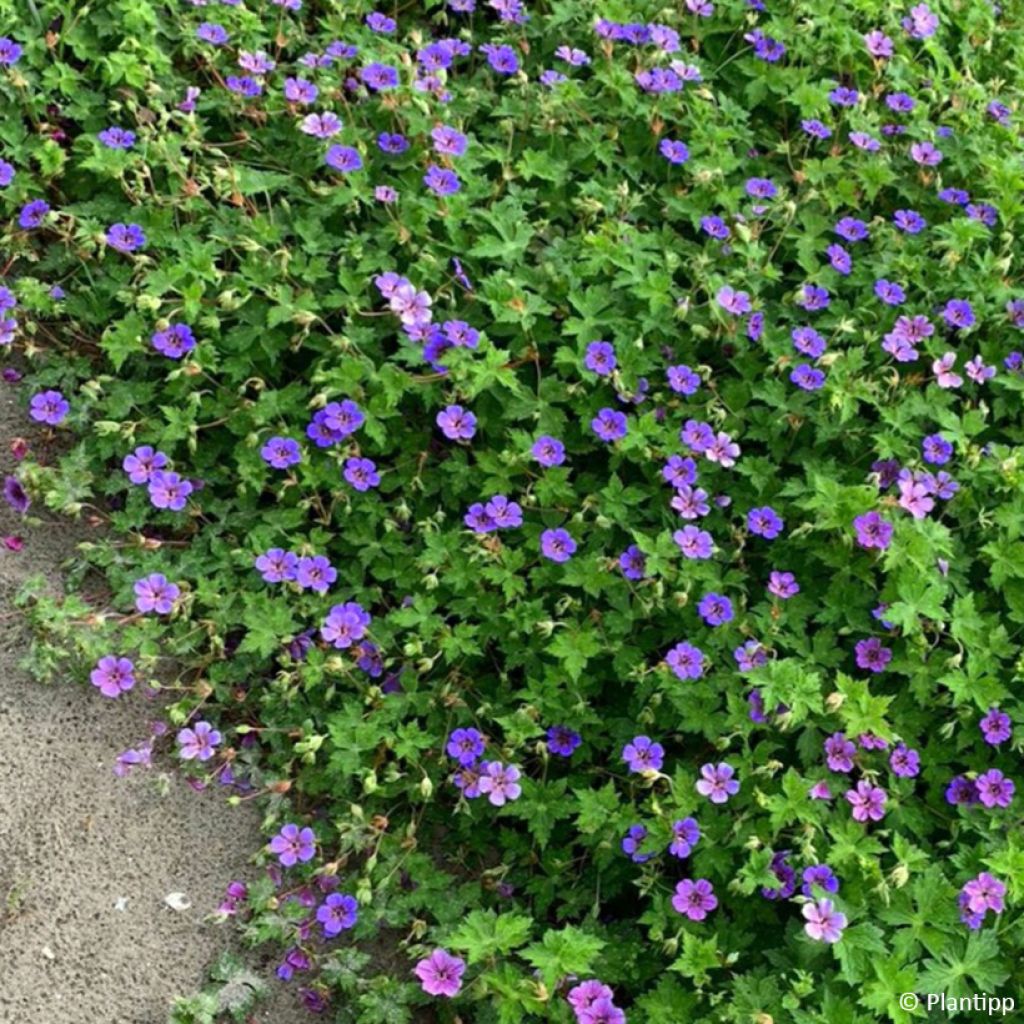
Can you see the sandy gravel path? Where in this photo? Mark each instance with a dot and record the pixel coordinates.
(86, 859)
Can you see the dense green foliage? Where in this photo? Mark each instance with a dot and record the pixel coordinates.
(570, 225)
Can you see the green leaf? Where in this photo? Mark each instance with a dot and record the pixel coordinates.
(485, 934)
(563, 952)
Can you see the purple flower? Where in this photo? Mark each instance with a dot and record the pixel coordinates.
(10, 51)
(909, 221)
(994, 789)
(682, 380)
(478, 520)
(807, 378)
(49, 407)
(685, 836)
(984, 893)
(695, 899)
(921, 22)
(361, 473)
(764, 522)
(337, 913)
(169, 490)
(562, 740)
(500, 782)
(642, 754)
(674, 151)
(278, 565)
(33, 213)
(293, 845)
(694, 542)
(925, 154)
(962, 790)
(174, 341)
(343, 159)
(198, 743)
(867, 801)
(823, 922)
(955, 196)
(839, 752)
(878, 44)
(315, 572)
(760, 188)
(321, 126)
(889, 292)
(154, 593)
(379, 77)
(548, 451)
(715, 609)
(557, 545)
(448, 141)
(345, 625)
(686, 661)
(996, 727)
(460, 334)
(15, 496)
(281, 452)
(851, 229)
(870, 654)
(125, 237)
(936, 450)
(113, 676)
(843, 96)
(501, 58)
(609, 425)
(717, 782)
(839, 258)
(632, 843)
(783, 585)
(456, 423)
(749, 655)
(440, 973)
(141, 464)
(733, 301)
(300, 91)
(213, 33)
(819, 875)
(765, 47)
(378, 22)
(808, 341)
(116, 138)
(715, 227)
(7, 173)
(633, 563)
(905, 762)
(441, 181)
(816, 129)
(872, 530)
(465, 746)
(600, 358)
(958, 314)
(583, 998)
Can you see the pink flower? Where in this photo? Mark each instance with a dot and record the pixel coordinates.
(695, 899)
(500, 783)
(824, 922)
(440, 973)
(868, 801)
(943, 370)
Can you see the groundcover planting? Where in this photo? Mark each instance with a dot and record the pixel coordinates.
(565, 460)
